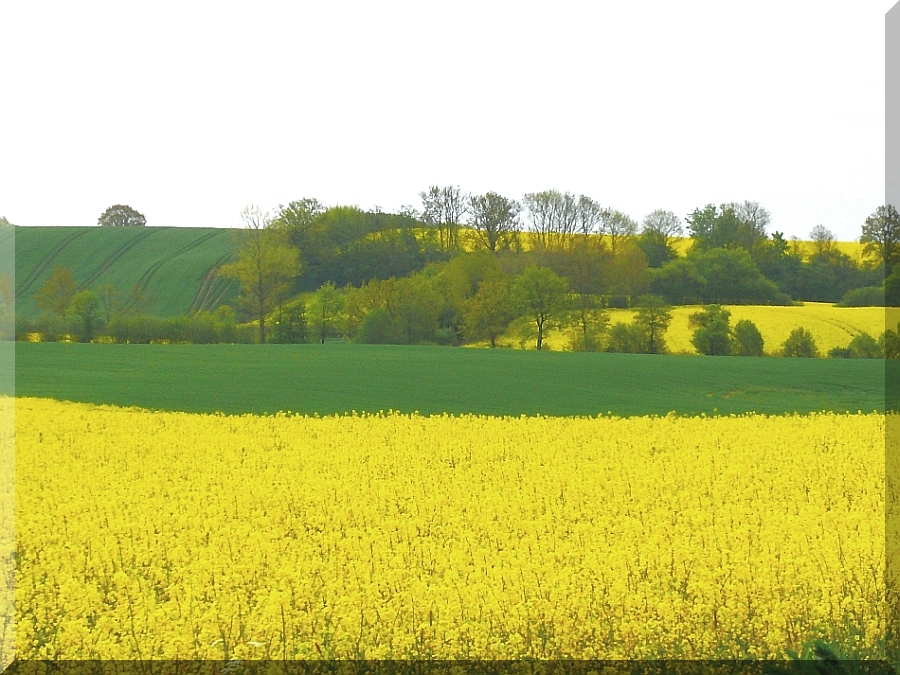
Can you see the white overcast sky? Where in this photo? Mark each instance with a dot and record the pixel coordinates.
(188, 111)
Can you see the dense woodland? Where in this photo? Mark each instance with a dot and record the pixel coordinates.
(466, 267)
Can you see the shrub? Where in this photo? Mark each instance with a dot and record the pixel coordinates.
(627, 338)
(376, 328)
(713, 334)
(870, 296)
(864, 346)
(800, 343)
(890, 343)
(892, 288)
(839, 353)
(747, 340)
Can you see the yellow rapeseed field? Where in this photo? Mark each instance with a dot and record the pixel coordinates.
(171, 535)
(831, 326)
(854, 249)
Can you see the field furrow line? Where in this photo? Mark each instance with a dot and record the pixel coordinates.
(148, 274)
(206, 287)
(118, 253)
(221, 295)
(47, 261)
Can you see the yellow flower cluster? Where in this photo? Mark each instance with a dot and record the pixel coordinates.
(169, 535)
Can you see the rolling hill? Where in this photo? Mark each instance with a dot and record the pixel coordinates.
(173, 266)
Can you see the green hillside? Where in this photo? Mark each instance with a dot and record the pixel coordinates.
(172, 265)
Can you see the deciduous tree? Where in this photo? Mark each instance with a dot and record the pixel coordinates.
(541, 294)
(265, 267)
(325, 308)
(121, 215)
(111, 302)
(729, 226)
(748, 341)
(488, 313)
(822, 239)
(495, 220)
(881, 237)
(553, 218)
(87, 310)
(712, 332)
(443, 208)
(56, 293)
(297, 219)
(617, 226)
(653, 316)
(800, 343)
(665, 224)
(626, 338)
(290, 324)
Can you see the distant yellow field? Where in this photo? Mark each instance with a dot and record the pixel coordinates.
(831, 326)
(682, 244)
(850, 248)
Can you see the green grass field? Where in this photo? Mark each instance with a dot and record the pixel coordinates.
(171, 265)
(338, 378)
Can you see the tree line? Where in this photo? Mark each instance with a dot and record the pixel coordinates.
(465, 267)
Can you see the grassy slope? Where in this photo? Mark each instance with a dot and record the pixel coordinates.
(169, 263)
(337, 378)
(832, 326)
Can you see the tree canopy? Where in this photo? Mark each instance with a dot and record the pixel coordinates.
(265, 267)
(121, 215)
(881, 237)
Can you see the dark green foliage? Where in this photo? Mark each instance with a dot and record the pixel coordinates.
(200, 328)
(881, 236)
(716, 276)
(827, 277)
(121, 215)
(395, 311)
(377, 328)
(589, 326)
(679, 281)
(655, 248)
(541, 295)
(891, 293)
(340, 377)
(653, 317)
(891, 343)
(86, 312)
(839, 353)
(487, 314)
(800, 343)
(731, 277)
(777, 263)
(747, 340)
(724, 227)
(626, 338)
(346, 245)
(712, 334)
(864, 346)
(868, 296)
(617, 302)
(289, 326)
